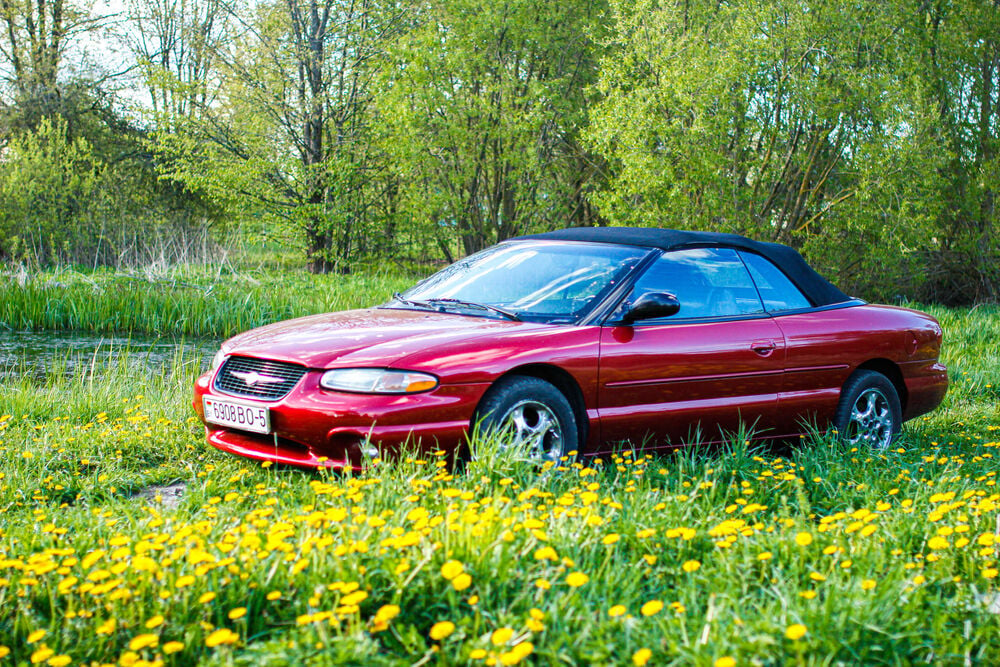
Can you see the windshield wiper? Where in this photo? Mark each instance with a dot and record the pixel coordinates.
(481, 306)
(396, 296)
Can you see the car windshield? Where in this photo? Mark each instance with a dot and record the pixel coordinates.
(536, 281)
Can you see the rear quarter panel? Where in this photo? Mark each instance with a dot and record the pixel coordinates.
(824, 347)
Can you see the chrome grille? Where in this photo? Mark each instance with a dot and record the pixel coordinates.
(259, 378)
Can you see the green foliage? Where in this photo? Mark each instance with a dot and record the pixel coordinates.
(866, 134)
(483, 103)
(47, 186)
(289, 137)
(80, 187)
(817, 124)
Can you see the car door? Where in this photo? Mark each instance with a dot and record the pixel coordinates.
(820, 343)
(699, 373)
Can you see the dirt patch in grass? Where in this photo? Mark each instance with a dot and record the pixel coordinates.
(169, 495)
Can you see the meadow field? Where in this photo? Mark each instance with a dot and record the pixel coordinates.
(125, 539)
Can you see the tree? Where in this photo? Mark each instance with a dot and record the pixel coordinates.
(47, 185)
(289, 135)
(791, 121)
(482, 108)
(175, 42)
(956, 60)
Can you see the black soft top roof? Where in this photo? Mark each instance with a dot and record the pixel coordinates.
(817, 289)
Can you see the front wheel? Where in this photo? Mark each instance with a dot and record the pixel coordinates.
(531, 413)
(869, 412)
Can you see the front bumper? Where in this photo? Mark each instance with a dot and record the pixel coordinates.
(315, 427)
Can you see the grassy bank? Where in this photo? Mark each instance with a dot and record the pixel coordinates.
(811, 554)
(194, 302)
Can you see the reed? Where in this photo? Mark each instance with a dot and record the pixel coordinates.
(193, 304)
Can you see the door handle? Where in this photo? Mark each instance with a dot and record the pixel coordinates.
(763, 347)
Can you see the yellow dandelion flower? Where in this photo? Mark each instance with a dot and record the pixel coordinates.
(867, 584)
(651, 607)
(140, 642)
(154, 622)
(59, 661)
(725, 661)
(611, 539)
(937, 542)
(36, 635)
(41, 655)
(477, 654)
(205, 598)
(764, 555)
(804, 539)
(238, 612)
(107, 627)
(690, 566)
(534, 625)
(387, 612)
(441, 629)
(355, 598)
(544, 584)
(577, 579)
(546, 553)
(173, 647)
(641, 657)
(4, 651)
(516, 654)
(616, 611)
(989, 573)
(462, 581)
(795, 631)
(501, 636)
(452, 569)
(221, 636)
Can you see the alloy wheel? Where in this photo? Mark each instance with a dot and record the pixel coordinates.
(871, 420)
(534, 425)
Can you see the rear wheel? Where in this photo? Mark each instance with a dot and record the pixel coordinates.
(530, 412)
(869, 412)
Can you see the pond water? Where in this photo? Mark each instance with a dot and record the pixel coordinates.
(37, 352)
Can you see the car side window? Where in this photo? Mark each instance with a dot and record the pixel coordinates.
(777, 291)
(708, 282)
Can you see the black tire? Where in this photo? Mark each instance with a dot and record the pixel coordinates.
(530, 407)
(869, 412)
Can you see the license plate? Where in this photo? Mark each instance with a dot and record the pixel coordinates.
(238, 415)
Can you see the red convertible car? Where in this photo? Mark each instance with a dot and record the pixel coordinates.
(575, 341)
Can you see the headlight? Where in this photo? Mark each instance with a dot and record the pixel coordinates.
(377, 381)
(217, 360)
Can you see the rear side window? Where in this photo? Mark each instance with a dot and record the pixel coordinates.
(709, 282)
(777, 291)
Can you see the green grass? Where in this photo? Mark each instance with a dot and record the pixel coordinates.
(195, 302)
(899, 565)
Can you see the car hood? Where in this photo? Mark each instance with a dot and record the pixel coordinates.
(370, 337)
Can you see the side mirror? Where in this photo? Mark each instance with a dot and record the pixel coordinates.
(650, 306)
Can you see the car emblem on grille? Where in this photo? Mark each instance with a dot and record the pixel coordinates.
(253, 378)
